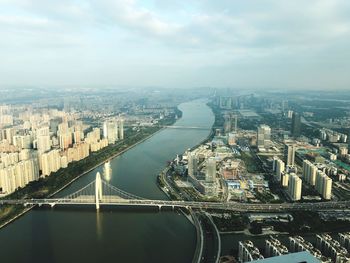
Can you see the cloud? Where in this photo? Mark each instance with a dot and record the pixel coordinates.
(193, 36)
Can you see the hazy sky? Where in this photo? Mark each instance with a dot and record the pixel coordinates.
(190, 43)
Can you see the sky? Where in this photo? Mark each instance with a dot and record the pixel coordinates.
(262, 44)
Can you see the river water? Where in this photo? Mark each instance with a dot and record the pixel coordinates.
(115, 235)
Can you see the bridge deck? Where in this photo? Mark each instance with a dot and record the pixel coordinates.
(117, 201)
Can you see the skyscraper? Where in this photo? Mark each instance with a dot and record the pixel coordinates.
(296, 124)
(289, 154)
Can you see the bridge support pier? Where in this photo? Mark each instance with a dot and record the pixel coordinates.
(160, 208)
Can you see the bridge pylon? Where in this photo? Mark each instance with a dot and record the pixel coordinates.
(98, 190)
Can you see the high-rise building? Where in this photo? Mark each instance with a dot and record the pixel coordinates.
(263, 136)
(22, 141)
(210, 174)
(285, 179)
(280, 168)
(18, 175)
(104, 130)
(296, 124)
(323, 185)
(65, 140)
(192, 164)
(43, 143)
(43, 131)
(110, 131)
(309, 172)
(78, 136)
(121, 129)
(294, 187)
(63, 127)
(227, 123)
(50, 162)
(235, 122)
(289, 154)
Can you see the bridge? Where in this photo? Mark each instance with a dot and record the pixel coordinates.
(99, 193)
(180, 127)
(187, 127)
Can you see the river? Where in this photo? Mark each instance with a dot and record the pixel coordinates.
(115, 235)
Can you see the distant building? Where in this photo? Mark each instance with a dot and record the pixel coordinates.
(231, 138)
(110, 131)
(263, 135)
(121, 129)
(227, 124)
(43, 143)
(235, 120)
(50, 162)
(296, 124)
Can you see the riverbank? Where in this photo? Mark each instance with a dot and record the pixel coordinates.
(16, 212)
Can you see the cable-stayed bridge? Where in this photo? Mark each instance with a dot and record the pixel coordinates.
(99, 192)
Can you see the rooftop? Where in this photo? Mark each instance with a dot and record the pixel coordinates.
(291, 258)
